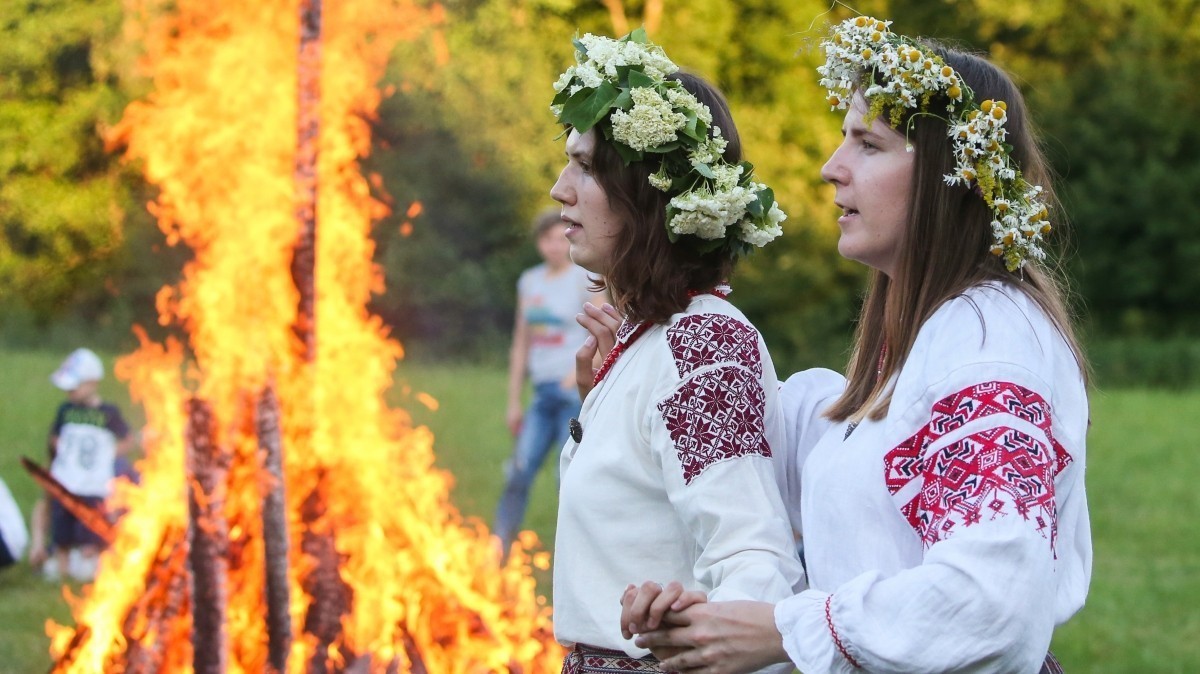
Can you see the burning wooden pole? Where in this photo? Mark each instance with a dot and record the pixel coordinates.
(330, 595)
(275, 534)
(207, 467)
(308, 127)
(152, 622)
(67, 659)
(92, 517)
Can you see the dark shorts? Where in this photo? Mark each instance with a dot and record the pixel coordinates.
(66, 531)
(6, 556)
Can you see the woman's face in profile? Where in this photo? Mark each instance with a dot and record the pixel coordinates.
(873, 171)
(592, 225)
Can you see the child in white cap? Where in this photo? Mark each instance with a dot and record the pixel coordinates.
(85, 440)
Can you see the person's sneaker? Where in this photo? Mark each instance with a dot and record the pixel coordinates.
(82, 567)
(50, 570)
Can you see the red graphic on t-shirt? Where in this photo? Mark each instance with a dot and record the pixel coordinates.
(992, 473)
(718, 413)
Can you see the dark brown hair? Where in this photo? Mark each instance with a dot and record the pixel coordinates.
(946, 246)
(650, 277)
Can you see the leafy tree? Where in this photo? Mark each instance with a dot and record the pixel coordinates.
(490, 89)
(61, 198)
(1111, 85)
(452, 248)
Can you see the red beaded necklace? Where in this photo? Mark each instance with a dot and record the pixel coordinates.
(637, 332)
(618, 349)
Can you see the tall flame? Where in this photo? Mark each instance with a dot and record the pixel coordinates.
(218, 137)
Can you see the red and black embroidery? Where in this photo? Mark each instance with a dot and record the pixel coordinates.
(706, 339)
(626, 329)
(993, 473)
(714, 416)
(590, 660)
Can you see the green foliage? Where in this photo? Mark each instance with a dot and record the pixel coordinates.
(61, 202)
(450, 283)
(1110, 82)
(469, 134)
(495, 90)
(1169, 363)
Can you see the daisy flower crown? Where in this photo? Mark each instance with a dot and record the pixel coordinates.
(620, 87)
(897, 76)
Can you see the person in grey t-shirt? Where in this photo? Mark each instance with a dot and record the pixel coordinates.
(545, 339)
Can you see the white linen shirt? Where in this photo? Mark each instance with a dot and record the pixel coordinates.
(673, 478)
(952, 535)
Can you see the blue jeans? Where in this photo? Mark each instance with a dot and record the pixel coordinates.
(543, 428)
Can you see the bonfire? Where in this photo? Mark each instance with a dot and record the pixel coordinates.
(288, 519)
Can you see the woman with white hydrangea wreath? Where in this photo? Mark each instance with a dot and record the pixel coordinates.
(944, 515)
(668, 472)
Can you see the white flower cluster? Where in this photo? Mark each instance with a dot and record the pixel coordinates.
(761, 232)
(651, 122)
(655, 119)
(708, 153)
(711, 209)
(894, 74)
(683, 99)
(602, 58)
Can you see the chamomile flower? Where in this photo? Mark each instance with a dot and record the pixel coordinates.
(896, 75)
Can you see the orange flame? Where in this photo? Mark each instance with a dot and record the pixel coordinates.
(218, 137)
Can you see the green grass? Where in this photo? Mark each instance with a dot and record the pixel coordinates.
(472, 441)
(1143, 465)
(1144, 498)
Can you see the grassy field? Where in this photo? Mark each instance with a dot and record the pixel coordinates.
(1143, 465)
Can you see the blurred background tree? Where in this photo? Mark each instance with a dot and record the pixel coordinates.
(78, 252)
(61, 200)
(466, 134)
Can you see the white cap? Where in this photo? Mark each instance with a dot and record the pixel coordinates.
(82, 365)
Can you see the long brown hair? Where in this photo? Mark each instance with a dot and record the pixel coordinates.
(650, 277)
(945, 249)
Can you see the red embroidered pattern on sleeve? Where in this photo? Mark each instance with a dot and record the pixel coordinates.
(989, 474)
(716, 415)
(706, 339)
(837, 641)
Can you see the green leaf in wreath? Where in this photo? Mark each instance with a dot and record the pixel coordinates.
(589, 106)
(639, 79)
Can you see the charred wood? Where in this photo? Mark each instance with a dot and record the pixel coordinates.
(304, 253)
(207, 465)
(92, 517)
(68, 657)
(331, 597)
(149, 625)
(275, 533)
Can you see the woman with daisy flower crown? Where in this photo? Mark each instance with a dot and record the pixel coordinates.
(668, 471)
(944, 516)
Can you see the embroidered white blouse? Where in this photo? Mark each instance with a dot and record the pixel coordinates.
(673, 478)
(951, 535)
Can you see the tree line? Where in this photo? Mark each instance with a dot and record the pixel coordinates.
(467, 132)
